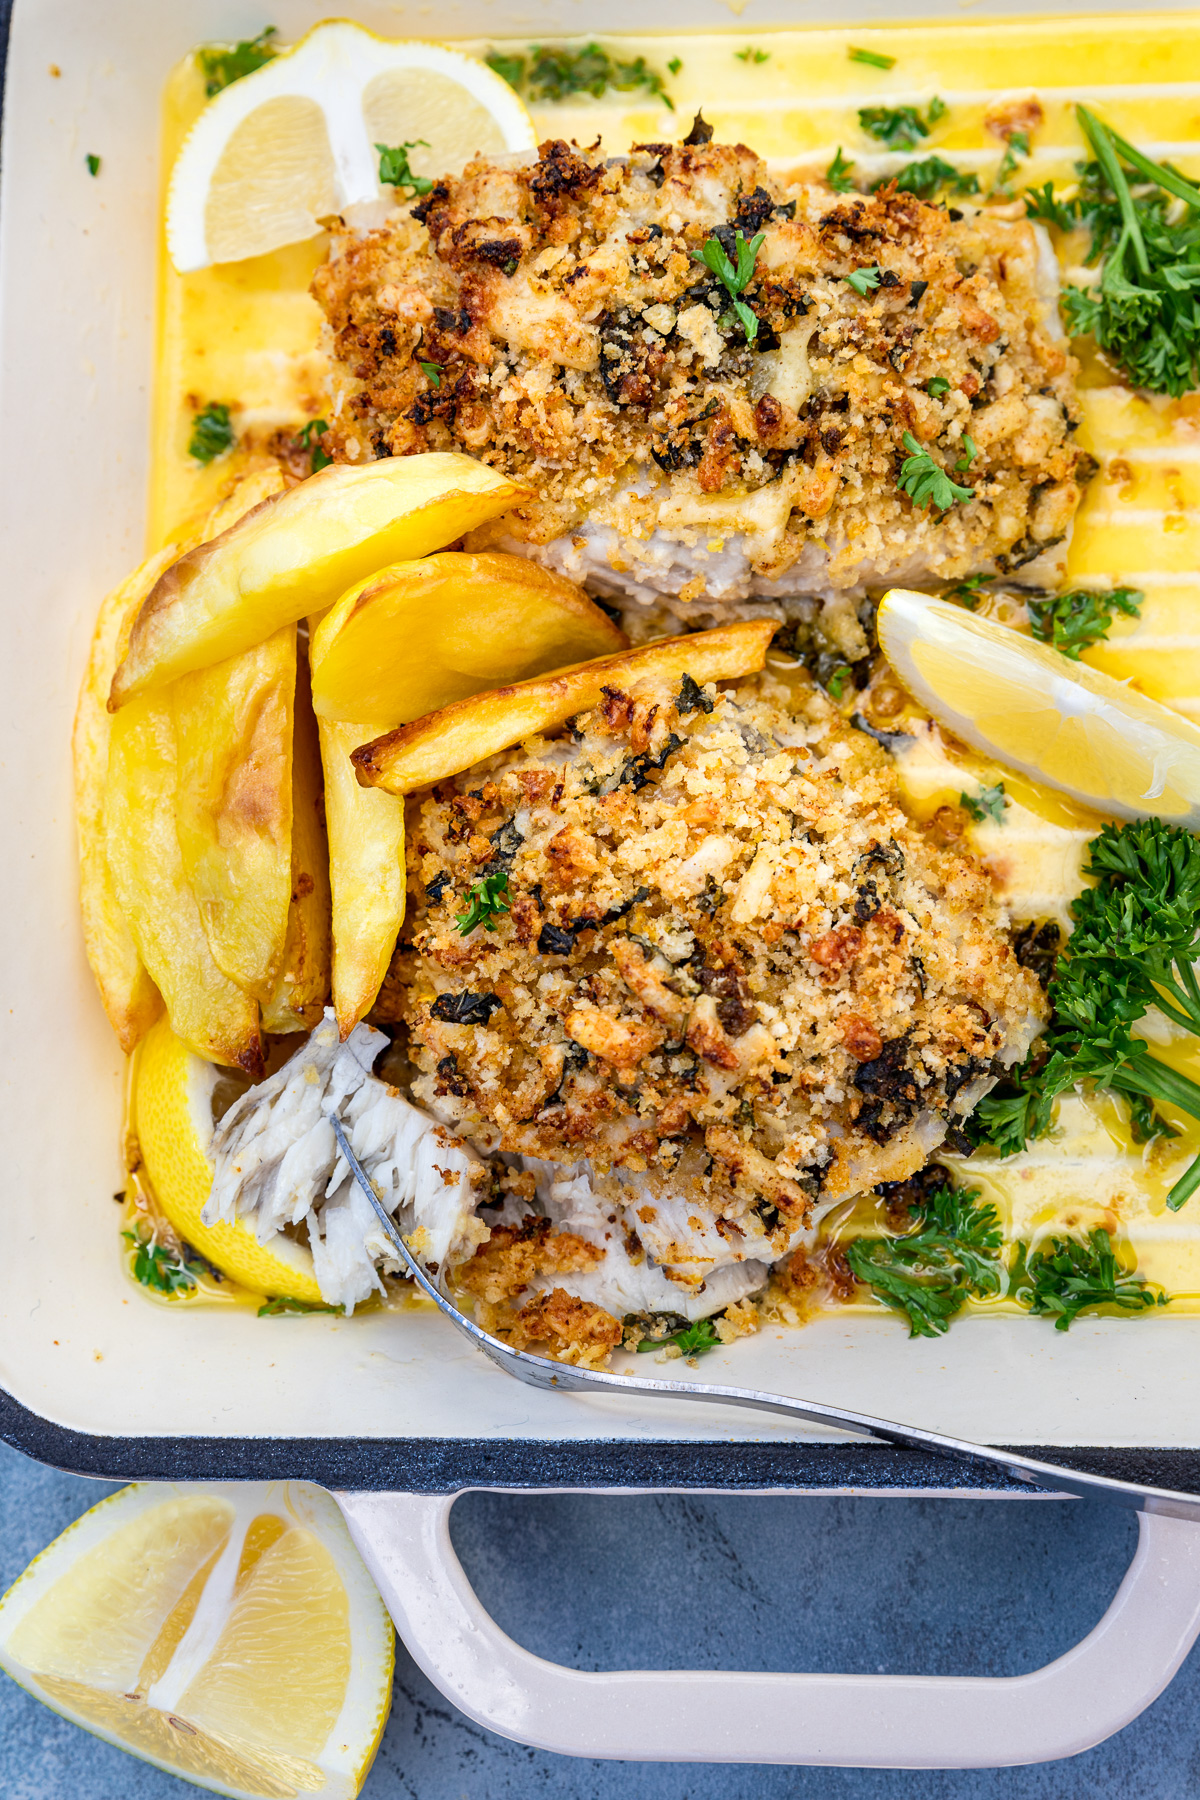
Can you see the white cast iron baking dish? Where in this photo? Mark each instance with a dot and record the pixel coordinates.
(94, 1381)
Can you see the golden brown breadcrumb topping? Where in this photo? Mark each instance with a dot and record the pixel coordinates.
(729, 962)
(550, 316)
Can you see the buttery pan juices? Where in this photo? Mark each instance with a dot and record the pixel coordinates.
(666, 702)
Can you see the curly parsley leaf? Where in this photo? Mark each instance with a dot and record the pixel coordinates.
(1068, 1276)
(989, 803)
(1074, 622)
(838, 174)
(550, 73)
(394, 170)
(1134, 946)
(734, 280)
(925, 481)
(222, 64)
(212, 433)
(927, 1275)
(864, 281)
(159, 1268)
(484, 902)
(900, 127)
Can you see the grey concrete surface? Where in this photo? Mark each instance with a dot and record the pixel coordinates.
(929, 1586)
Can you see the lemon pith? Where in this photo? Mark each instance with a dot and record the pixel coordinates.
(230, 1636)
(172, 1094)
(1062, 723)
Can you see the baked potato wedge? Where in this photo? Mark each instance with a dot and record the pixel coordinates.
(212, 1013)
(297, 1002)
(455, 737)
(130, 998)
(233, 804)
(422, 634)
(366, 875)
(296, 553)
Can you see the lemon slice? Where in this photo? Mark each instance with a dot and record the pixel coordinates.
(1057, 721)
(294, 143)
(230, 1636)
(173, 1118)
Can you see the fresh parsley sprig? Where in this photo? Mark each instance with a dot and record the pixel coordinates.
(929, 176)
(549, 72)
(925, 481)
(692, 1340)
(734, 280)
(838, 174)
(484, 902)
(953, 1252)
(1134, 946)
(394, 170)
(159, 1268)
(1074, 622)
(1068, 1276)
(864, 281)
(221, 64)
(1145, 311)
(900, 127)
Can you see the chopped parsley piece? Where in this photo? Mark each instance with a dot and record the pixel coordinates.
(970, 452)
(838, 174)
(864, 280)
(1067, 1277)
(675, 64)
(1074, 622)
(394, 170)
(220, 65)
(93, 163)
(925, 481)
(1145, 311)
(968, 592)
(936, 386)
(1135, 944)
(310, 437)
(550, 73)
(836, 685)
(750, 55)
(432, 372)
(1016, 147)
(900, 127)
(927, 1275)
(988, 803)
(930, 176)
(284, 1304)
(212, 433)
(484, 901)
(693, 1340)
(157, 1267)
(734, 281)
(874, 59)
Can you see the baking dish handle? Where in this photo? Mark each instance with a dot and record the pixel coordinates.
(701, 1715)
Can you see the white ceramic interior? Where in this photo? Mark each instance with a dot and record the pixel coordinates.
(77, 1345)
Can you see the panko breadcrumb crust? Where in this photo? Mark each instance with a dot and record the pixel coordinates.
(550, 316)
(730, 967)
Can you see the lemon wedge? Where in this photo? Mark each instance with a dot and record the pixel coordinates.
(1059, 722)
(293, 144)
(230, 1636)
(173, 1092)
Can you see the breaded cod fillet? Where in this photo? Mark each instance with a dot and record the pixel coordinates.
(550, 316)
(734, 984)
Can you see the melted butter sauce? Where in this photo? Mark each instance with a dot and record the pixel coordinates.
(248, 335)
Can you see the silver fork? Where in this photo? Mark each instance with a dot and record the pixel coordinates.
(543, 1372)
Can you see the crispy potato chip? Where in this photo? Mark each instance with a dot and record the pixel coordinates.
(296, 553)
(422, 634)
(458, 736)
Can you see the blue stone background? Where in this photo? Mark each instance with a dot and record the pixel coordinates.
(979, 1587)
